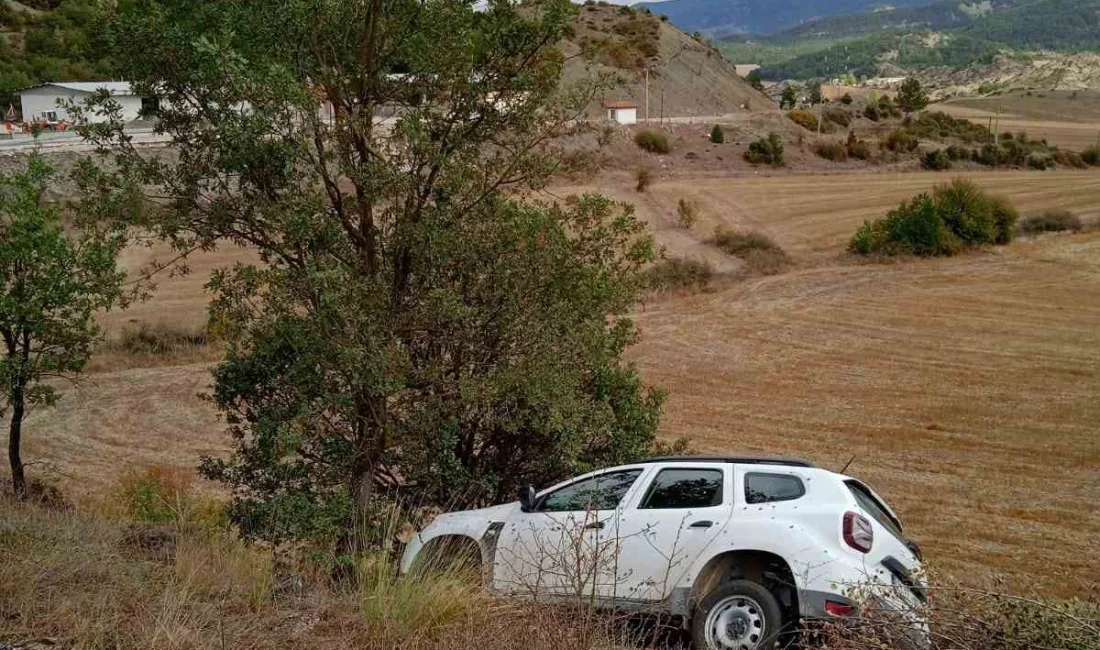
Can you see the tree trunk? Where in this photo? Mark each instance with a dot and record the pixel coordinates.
(15, 432)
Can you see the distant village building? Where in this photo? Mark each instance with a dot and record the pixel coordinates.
(622, 112)
(46, 102)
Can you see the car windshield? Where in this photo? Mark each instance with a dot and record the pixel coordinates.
(875, 508)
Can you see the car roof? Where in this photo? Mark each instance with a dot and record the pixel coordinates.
(737, 460)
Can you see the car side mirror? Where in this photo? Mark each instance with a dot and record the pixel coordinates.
(527, 499)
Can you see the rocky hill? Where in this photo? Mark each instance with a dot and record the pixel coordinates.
(687, 75)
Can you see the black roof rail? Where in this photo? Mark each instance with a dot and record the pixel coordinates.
(737, 460)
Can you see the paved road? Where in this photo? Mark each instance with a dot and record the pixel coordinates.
(68, 141)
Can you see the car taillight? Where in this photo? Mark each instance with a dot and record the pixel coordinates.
(833, 608)
(858, 532)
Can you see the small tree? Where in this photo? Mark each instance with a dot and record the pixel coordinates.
(815, 94)
(717, 136)
(51, 285)
(755, 80)
(789, 99)
(846, 99)
(911, 96)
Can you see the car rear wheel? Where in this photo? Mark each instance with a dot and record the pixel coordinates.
(738, 615)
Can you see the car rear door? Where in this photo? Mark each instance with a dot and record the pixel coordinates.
(677, 513)
(890, 549)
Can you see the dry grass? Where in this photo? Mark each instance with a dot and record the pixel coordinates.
(89, 582)
(1055, 118)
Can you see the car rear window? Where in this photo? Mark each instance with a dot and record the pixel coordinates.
(684, 488)
(761, 487)
(875, 508)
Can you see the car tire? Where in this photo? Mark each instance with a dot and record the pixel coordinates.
(738, 615)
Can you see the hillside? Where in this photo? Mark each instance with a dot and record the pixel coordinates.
(718, 17)
(946, 34)
(689, 76)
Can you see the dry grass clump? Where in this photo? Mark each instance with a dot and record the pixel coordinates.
(687, 213)
(761, 254)
(145, 345)
(673, 274)
(643, 178)
(1050, 221)
(91, 581)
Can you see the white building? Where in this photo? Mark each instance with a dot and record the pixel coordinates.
(622, 112)
(47, 101)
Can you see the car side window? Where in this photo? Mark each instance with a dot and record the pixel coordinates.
(767, 488)
(603, 492)
(675, 489)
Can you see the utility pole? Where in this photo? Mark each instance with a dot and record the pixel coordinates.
(647, 94)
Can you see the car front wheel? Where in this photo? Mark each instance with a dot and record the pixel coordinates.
(738, 615)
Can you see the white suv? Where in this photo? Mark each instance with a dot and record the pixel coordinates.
(743, 549)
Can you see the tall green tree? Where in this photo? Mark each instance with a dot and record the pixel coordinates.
(789, 98)
(53, 280)
(419, 317)
(911, 96)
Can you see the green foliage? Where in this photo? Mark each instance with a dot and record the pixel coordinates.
(652, 141)
(717, 136)
(815, 97)
(411, 317)
(788, 99)
(957, 153)
(858, 149)
(871, 112)
(831, 150)
(54, 279)
(1091, 156)
(1041, 162)
(755, 81)
(1050, 221)
(805, 119)
(837, 116)
(940, 125)
(911, 96)
(766, 151)
(846, 99)
(899, 141)
(956, 216)
(936, 160)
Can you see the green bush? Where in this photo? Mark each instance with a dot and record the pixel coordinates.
(937, 160)
(652, 141)
(717, 136)
(766, 151)
(871, 113)
(899, 141)
(846, 99)
(940, 125)
(1091, 156)
(858, 149)
(833, 151)
(1041, 161)
(805, 119)
(954, 217)
(1050, 221)
(955, 152)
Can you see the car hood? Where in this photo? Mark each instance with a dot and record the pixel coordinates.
(471, 522)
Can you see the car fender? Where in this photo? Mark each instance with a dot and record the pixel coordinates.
(477, 525)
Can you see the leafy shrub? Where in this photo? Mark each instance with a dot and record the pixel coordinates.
(955, 216)
(838, 116)
(1091, 156)
(887, 107)
(762, 256)
(871, 113)
(805, 119)
(767, 151)
(899, 141)
(1070, 159)
(1050, 221)
(687, 213)
(717, 135)
(937, 160)
(846, 99)
(937, 124)
(156, 496)
(652, 141)
(643, 177)
(607, 134)
(1041, 161)
(858, 149)
(671, 274)
(955, 152)
(833, 151)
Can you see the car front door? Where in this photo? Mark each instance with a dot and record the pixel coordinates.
(565, 547)
(667, 525)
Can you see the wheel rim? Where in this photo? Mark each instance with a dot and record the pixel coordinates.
(735, 623)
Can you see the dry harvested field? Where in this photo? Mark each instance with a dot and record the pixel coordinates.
(1066, 122)
(966, 389)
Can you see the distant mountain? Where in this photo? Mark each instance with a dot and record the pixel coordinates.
(720, 17)
(949, 33)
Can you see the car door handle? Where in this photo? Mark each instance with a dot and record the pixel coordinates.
(595, 525)
(702, 524)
